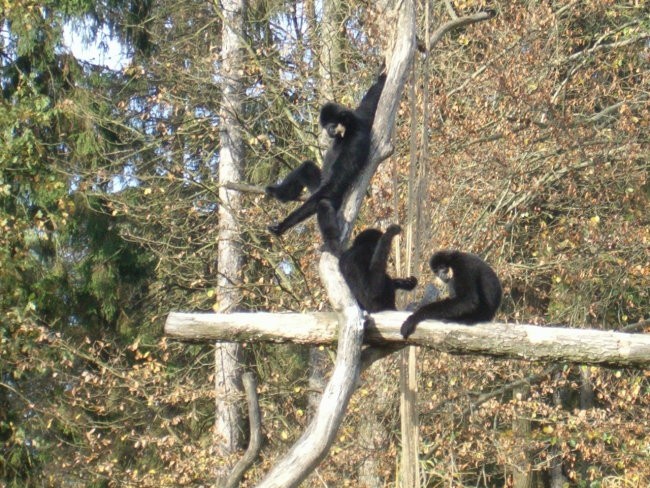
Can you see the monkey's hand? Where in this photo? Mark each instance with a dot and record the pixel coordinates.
(271, 190)
(276, 229)
(408, 327)
(410, 282)
(406, 283)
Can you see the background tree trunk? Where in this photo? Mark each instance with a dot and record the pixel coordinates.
(228, 371)
(522, 474)
(556, 477)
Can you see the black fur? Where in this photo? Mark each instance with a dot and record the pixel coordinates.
(307, 175)
(346, 157)
(475, 292)
(329, 227)
(364, 268)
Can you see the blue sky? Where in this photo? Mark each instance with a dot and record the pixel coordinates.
(101, 49)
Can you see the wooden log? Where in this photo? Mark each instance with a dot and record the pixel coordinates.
(514, 341)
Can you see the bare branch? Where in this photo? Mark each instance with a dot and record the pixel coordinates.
(255, 427)
(612, 45)
(637, 327)
(458, 22)
(450, 9)
(244, 188)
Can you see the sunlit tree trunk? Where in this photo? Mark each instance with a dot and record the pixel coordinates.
(331, 72)
(228, 369)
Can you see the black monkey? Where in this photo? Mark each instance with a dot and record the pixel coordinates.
(364, 268)
(344, 160)
(475, 291)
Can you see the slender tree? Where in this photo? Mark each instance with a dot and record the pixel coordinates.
(228, 369)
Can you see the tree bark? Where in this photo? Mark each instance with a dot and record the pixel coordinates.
(513, 341)
(255, 428)
(409, 473)
(228, 371)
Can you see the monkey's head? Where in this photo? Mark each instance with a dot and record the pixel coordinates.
(440, 264)
(336, 120)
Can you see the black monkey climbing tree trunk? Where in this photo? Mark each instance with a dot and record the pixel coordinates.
(228, 371)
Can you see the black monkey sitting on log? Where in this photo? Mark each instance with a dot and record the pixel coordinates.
(344, 160)
(475, 291)
(363, 266)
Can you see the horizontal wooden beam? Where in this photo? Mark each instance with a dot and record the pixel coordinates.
(514, 341)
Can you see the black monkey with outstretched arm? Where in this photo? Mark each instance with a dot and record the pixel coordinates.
(344, 160)
(475, 291)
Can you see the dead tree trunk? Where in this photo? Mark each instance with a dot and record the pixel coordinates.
(314, 444)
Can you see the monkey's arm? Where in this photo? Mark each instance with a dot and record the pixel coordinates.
(405, 283)
(368, 105)
(380, 257)
(307, 175)
(448, 309)
(382, 249)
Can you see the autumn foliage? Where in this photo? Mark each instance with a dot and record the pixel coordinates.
(523, 138)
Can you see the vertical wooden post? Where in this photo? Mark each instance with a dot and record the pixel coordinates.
(410, 473)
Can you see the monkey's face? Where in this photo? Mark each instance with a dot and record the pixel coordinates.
(445, 273)
(335, 130)
(336, 120)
